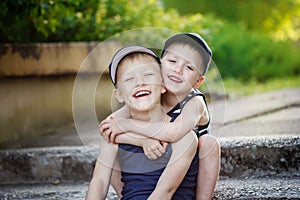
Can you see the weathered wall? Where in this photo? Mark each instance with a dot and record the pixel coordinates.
(36, 94)
(54, 58)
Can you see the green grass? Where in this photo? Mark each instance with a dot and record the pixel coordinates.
(237, 88)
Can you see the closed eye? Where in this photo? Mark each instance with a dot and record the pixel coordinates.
(149, 74)
(171, 61)
(128, 79)
(189, 67)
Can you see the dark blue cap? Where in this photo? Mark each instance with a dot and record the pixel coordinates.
(193, 39)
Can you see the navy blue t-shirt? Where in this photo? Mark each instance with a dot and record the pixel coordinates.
(140, 174)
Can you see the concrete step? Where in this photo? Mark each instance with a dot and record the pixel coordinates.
(240, 158)
(251, 168)
(262, 188)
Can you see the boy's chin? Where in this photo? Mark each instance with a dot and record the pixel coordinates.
(178, 88)
(173, 88)
(142, 106)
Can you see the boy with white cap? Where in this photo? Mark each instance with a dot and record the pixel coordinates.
(138, 81)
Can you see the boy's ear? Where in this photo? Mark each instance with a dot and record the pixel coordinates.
(199, 82)
(118, 95)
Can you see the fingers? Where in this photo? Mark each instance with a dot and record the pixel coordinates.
(155, 151)
(102, 130)
(151, 156)
(164, 145)
(161, 149)
(104, 125)
(112, 137)
(107, 131)
(106, 135)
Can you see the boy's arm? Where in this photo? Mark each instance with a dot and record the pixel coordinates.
(99, 184)
(152, 147)
(183, 152)
(121, 113)
(116, 179)
(164, 131)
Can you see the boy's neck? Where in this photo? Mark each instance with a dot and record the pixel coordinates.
(155, 114)
(169, 100)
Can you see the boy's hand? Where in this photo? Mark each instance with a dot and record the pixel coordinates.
(109, 129)
(106, 134)
(102, 130)
(154, 149)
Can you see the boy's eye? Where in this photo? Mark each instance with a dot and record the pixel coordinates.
(172, 60)
(149, 74)
(128, 79)
(189, 67)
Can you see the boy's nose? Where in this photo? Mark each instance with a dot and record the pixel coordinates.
(178, 68)
(140, 80)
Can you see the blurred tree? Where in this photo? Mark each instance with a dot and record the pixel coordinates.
(78, 20)
(278, 18)
(35, 20)
(183, 7)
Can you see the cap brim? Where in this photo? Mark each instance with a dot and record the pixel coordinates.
(193, 38)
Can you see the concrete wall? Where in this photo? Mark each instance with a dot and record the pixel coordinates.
(54, 58)
(36, 94)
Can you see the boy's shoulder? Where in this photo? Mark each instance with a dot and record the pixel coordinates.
(195, 99)
(195, 93)
(198, 92)
(195, 96)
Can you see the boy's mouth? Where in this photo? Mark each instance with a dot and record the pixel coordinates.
(175, 79)
(141, 93)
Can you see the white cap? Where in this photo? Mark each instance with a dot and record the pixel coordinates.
(123, 52)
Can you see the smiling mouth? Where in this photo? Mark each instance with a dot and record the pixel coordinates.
(141, 93)
(175, 79)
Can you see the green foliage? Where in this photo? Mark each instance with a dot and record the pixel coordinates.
(253, 56)
(77, 20)
(242, 48)
(38, 21)
(94, 20)
(278, 18)
(183, 7)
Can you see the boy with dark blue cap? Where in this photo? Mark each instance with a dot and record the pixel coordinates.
(185, 60)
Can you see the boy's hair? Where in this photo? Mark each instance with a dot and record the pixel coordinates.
(124, 52)
(196, 42)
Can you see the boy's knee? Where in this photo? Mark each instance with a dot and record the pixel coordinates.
(187, 142)
(191, 141)
(187, 147)
(209, 146)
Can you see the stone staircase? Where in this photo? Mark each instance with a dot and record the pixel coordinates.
(251, 168)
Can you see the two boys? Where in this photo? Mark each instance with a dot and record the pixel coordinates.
(185, 59)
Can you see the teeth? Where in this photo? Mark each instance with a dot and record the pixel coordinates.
(173, 78)
(141, 93)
